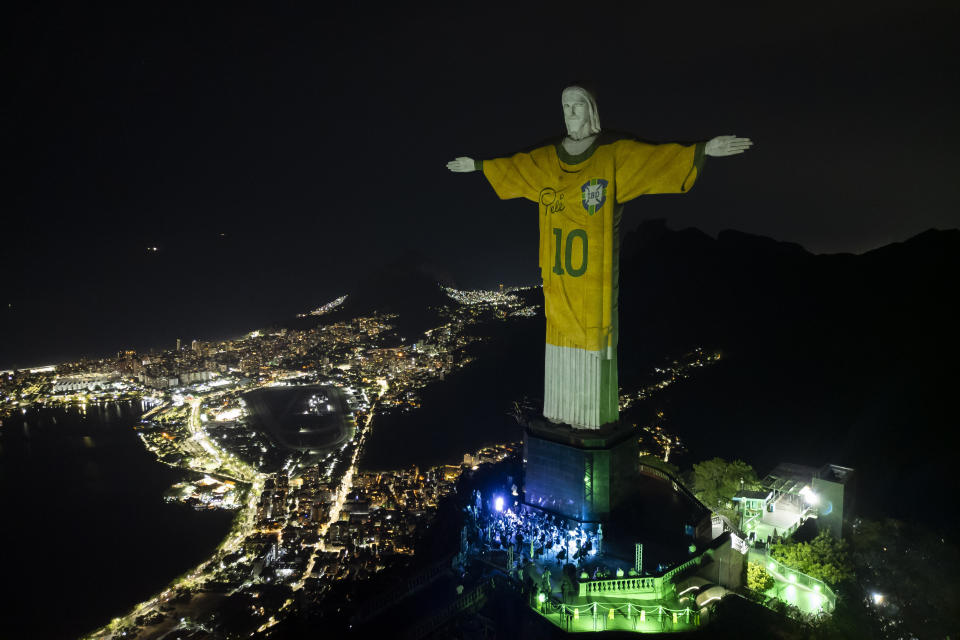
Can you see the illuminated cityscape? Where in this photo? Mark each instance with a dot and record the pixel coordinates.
(308, 519)
(270, 427)
(270, 367)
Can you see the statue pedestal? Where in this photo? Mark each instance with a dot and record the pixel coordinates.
(581, 474)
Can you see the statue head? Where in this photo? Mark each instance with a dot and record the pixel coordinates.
(580, 112)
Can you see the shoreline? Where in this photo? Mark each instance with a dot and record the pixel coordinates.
(239, 528)
(243, 524)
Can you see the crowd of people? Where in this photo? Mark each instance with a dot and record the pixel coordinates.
(532, 533)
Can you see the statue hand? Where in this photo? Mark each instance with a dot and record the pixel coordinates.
(727, 146)
(461, 165)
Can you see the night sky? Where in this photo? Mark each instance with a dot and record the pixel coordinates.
(273, 156)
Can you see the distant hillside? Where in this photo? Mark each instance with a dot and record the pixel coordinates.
(408, 286)
(684, 285)
(405, 285)
(839, 358)
(842, 358)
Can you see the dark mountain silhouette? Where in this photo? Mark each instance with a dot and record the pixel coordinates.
(828, 358)
(686, 285)
(409, 286)
(839, 358)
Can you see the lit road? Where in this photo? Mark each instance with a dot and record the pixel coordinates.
(198, 433)
(202, 446)
(346, 485)
(205, 453)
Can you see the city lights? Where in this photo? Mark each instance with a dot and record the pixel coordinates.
(314, 521)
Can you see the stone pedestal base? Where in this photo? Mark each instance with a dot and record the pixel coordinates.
(578, 473)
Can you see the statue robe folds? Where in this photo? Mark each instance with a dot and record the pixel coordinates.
(581, 200)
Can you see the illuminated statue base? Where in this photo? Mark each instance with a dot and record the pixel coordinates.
(577, 473)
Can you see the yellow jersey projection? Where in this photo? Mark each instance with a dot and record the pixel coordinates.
(580, 200)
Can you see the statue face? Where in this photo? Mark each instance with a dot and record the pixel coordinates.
(575, 110)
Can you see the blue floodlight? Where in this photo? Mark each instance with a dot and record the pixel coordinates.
(498, 503)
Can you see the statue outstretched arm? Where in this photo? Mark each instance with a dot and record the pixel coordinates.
(462, 164)
(518, 176)
(644, 168)
(727, 146)
(667, 168)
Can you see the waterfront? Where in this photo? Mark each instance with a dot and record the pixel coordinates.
(312, 532)
(91, 530)
(284, 538)
(466, 411)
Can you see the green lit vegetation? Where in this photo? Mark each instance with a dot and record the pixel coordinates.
(824, 558)
(758, 578)
(716, 481)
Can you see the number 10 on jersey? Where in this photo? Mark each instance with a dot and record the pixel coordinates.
(564, 253)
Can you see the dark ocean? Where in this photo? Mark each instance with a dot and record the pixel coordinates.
(85, 523)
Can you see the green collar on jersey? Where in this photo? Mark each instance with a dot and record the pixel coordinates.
(604, 137)
(567, 158)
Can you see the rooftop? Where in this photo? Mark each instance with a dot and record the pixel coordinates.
(749, 494)
(791, 478)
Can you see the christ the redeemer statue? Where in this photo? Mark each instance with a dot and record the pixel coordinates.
(581, 183)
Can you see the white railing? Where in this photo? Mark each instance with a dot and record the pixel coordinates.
(689, 563)
(784, 573)
(619, 585)
(637, 585)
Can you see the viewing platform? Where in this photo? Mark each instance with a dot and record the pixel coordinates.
(670, 602)
(619, 616)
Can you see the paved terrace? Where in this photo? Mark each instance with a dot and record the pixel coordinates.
(796, 588)
(613, 615)
(644, 604)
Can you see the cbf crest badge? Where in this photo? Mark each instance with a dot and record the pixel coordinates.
(593, 194)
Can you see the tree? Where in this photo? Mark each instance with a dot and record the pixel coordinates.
(824, 558)
(758, 578)
(914, 568)
(716, 481)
